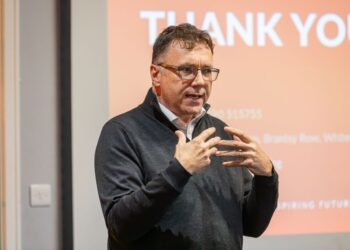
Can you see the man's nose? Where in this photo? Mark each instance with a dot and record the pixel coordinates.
(198, 80)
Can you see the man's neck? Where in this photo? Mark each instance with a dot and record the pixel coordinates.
(186, 124)
(182, 124)
(183, 120)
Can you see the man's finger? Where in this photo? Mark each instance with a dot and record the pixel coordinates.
(236, 138)
(205, 134)
(236, 163)
(234, 144)
(239, 134)
(212, 151)
(213, 141)
(234, 153)
(181, 136)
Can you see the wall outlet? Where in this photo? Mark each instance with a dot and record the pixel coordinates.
(40, 195)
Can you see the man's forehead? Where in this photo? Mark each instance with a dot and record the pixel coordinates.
(187, 45)
(179, 53)
(179, 48)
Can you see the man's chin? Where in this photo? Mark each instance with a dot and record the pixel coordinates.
(194, 110)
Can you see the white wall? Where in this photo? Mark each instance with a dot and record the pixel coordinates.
(89, 113)
(39, 142)
(12, 237)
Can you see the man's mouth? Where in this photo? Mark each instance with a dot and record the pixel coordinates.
(194, 96)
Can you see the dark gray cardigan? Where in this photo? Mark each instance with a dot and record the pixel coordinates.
(150, 201)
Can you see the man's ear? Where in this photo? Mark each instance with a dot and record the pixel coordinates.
(155, 75)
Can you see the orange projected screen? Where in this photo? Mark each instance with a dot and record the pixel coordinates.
(284, 80)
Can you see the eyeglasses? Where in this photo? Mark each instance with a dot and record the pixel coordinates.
(190, 72)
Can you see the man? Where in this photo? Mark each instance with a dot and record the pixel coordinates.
(169, 175)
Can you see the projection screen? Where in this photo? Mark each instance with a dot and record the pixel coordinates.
(284, 80)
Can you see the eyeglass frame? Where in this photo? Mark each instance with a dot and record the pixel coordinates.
(175, 69)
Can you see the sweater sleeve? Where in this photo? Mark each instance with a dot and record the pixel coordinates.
(132, 207)
(260, 202)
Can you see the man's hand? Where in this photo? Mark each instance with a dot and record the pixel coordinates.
(249, 154)
(195, 155)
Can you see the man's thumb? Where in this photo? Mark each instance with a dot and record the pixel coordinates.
(181, 136)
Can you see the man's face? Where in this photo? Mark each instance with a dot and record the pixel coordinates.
(185, 98)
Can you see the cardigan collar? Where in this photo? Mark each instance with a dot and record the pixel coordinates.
(151, 107)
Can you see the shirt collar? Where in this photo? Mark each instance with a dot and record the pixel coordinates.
(173, 118)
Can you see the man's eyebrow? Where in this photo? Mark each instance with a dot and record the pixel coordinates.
(195, 65)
